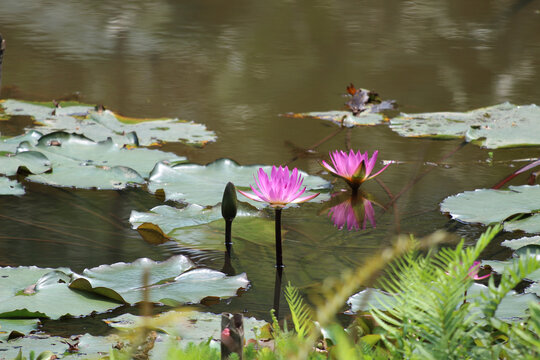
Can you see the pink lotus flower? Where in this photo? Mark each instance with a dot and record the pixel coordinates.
(354, 168)
(280, 189)
(473, 271)
(344, 214)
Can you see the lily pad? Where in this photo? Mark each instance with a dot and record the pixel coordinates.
(503, 125)
(80, 162)
(169, 218)
(10, 145)
(513, 307)
(201, 228)
(522, 242)
(174, 281)
(100, 125)
(210, 236)
(89, 347)
(203, 185)
(499, 266)
(188, 326)
(32, 161)
(488, 206)
(370, 299)
(10, 187)
(345, 118)
(37, 292)
(61, 146)
(157, 130)
(20, 326)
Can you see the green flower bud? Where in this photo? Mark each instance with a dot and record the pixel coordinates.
(229, 202)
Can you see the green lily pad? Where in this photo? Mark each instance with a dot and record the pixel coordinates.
(160, 130)
(513, 307)
(61, 146)
(488, 206)
(188, 326)
(36, 292)
(32, 161)
(499, 266)
(521, 242)
(10, 187)
(503, 125)
(370, 299)
(89, 347)
(203, 185)
(202, 228)
(174, 281)
(211, 236)
(345, 118)
(20, 326)
(99, 126)
(80, 162)
(10, 145)
(169, 218)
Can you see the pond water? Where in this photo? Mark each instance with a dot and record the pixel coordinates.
(235, 66)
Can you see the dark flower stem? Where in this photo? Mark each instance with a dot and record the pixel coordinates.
(279, 260)
(228, 228)
(277, 290)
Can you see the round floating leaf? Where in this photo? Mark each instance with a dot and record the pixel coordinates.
(105, 124)
(502, 125)
(103, 178)
(345, 118)
(61, 146)
(534, 288)
(10, 187)
(20, 326)
(513, 307)
(80, 162)
(169, 281)
(499, 266)
(521, 242)
(169, 218)
(35, 292)
(188, 326)
(151, 131)
(488, 206)
(89, 347)
(32, 161)
(211, 236)
(10, 144)
(203, 185)
(370, 299)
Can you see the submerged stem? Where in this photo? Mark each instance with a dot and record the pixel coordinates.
(279, 260)
(228, 228)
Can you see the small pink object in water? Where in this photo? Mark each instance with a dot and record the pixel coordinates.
(473, 271)
(344, 214)
(280, 189)
(354, 168)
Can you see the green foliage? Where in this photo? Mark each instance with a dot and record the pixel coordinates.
(301, 313)
(433, 318)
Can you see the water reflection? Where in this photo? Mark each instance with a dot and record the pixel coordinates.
(353, 211)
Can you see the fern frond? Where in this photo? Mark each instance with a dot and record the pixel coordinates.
(301, 313)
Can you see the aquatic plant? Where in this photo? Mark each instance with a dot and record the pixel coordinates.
(473, 271)
(278, 190)
(354, 168)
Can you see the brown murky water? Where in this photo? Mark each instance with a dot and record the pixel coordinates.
(235, 66)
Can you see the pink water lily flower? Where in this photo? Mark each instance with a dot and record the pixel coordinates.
(473, 271)
(280, 189)
(354, 168)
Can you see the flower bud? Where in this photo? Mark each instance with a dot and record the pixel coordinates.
(229, 202)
